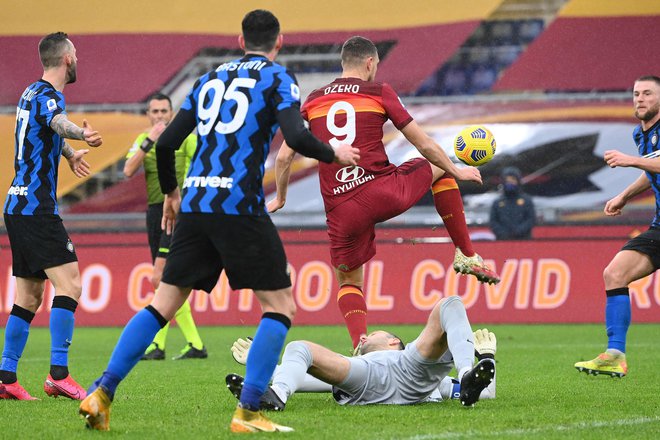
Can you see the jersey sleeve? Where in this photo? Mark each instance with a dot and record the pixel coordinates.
(287, 94)
(136, 145)
(394, 108)
(190, 102)
(50, 103)
(304, 112)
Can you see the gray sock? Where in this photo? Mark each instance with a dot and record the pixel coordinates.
(290, 375)
(455, 323)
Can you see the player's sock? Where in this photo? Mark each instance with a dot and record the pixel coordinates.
(61, 334)
(187, 325)
(449, 388)
(449, 204)
(353, 307)
(290, 374)
(456, 325)
(136, 337)
(16, 335)
(263, 356)
(617, 318)
(161, 337)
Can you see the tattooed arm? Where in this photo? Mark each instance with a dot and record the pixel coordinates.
(78, 165)
(68, 151)
(67, 129)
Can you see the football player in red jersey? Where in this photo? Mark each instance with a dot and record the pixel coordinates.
(352, 110)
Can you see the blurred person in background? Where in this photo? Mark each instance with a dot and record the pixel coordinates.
(143, 154)
(640, 256)
(40, 246)
(512, 214)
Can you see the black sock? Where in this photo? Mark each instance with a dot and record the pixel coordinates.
(59, 372)
(8, 377)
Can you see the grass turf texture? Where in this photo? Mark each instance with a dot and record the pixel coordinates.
(539, 393)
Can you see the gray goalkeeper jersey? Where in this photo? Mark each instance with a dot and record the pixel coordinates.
(395, 377)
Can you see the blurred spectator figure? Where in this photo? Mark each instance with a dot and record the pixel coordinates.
(455, 81)
(512, 215)
(483, 78)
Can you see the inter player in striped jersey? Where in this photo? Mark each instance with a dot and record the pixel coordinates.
(223, 222)
(640, 256)
(40, 245)
(352, 109)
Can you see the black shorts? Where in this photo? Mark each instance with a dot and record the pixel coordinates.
(647, 243)
(248, 248)
(38, 242)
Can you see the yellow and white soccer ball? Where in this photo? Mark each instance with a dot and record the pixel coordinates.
(475, 145)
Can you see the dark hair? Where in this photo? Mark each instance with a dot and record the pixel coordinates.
(51, 49)
(356, 49)
(260, 30)
(653, 78)
(159, 97)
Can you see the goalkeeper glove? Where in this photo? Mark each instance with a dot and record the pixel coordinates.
(240, 349)
(485, 344)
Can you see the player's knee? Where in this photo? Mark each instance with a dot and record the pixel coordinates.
(291, 310)
(300, 350)
(614, 276)
(450, 301)
(74, 290)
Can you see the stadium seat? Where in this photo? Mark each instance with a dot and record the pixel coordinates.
(528, 30)
(482, 79)
(503, 33)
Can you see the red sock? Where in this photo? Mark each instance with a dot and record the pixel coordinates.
(449, 204)
(354, 310)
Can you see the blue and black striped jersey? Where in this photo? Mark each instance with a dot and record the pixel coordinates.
(37, 152)
(235, 109)
(647, 143)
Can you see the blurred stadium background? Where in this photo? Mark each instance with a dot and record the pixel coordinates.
(551, 78)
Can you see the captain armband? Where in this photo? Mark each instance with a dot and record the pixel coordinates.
(146, 145)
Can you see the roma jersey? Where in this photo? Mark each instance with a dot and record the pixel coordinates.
(647, 142)
(353, 111)
(37, 150)
(235, 108)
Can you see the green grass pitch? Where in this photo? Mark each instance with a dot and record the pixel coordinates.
(539, 393)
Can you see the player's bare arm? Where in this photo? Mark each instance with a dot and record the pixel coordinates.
(134, 163)
(171, 206)
(67, 129)
(436, 155)
(77, 163)
(615, 205)
(615, 158)
(282, 173)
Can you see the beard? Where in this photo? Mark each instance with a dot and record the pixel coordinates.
(71, 73)
(651, 113)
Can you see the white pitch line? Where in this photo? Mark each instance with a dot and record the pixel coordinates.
(530, 431)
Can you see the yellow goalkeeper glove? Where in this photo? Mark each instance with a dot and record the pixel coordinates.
(240, 349)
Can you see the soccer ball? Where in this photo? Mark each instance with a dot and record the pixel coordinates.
(475, 145)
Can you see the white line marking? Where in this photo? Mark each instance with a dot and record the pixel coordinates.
(540, 430)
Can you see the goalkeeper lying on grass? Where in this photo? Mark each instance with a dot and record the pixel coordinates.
(385, 371)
